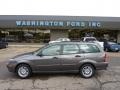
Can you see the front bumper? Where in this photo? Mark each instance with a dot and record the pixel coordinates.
(11, 67)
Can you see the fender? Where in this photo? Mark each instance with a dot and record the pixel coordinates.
(87, 61)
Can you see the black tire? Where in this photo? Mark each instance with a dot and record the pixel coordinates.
(117, 51)
(28, 71)
(90, 72)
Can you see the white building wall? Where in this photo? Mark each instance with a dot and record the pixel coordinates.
(118, 37)
(55, 34)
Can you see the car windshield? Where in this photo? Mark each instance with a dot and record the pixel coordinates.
(38, 50)
(111, 43)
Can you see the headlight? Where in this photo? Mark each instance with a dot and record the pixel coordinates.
(12, 59)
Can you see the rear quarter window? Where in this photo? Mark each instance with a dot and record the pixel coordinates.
(89, 48)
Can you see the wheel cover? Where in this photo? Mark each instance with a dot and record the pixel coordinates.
(23, 71)
(87, 71)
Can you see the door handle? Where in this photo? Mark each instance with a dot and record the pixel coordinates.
(55, 57)
(77, 56)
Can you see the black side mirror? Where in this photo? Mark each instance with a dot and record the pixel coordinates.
(82, 51)
(40, 54)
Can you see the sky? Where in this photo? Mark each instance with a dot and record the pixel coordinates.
(61, 7)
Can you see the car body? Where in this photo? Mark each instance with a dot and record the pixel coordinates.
(111, 46)
(3, 44)
(60, 40)
(75, 57)
(92, 39)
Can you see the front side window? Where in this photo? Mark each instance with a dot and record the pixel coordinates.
(89, 48)
(52, 50)
(70, 49)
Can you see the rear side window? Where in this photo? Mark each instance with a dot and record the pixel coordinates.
(70, 49)
(89, 48)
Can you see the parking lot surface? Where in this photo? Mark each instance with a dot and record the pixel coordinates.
(103, 80)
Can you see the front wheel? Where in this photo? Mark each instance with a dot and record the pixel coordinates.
(87, 70)
(23, 71)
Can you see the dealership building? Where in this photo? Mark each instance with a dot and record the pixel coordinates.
(37, 28)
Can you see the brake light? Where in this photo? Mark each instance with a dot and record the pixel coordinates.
(106, 57)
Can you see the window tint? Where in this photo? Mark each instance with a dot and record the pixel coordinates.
(90, 39)
(88, 48)
(52, 50)
(70, 49)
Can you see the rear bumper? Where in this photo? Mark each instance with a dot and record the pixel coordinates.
(101, 65)
(114, 50)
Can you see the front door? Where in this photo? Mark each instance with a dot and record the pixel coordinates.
(49, 59)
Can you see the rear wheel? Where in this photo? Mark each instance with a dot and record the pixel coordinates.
(23, 71)
(87, 70)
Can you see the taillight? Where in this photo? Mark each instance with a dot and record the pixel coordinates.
(106, 58)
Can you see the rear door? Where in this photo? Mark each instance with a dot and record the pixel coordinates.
(70, 57)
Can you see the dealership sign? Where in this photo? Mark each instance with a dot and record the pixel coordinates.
(59, 23)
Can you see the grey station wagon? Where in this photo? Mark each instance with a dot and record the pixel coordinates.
(76, 57)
